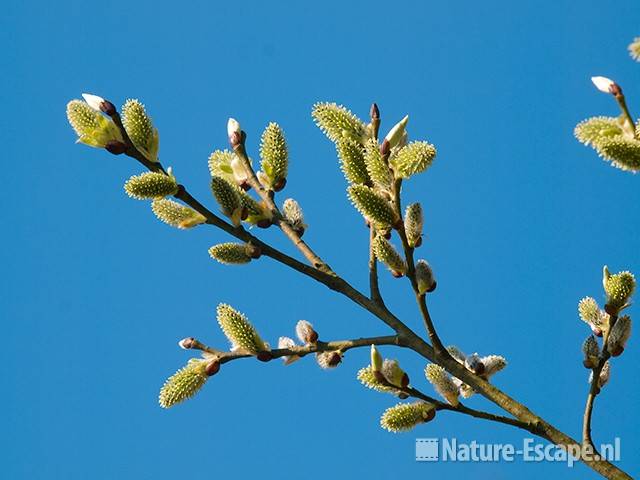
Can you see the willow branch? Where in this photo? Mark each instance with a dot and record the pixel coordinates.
(407, 337)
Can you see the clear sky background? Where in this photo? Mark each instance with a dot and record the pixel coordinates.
(520, 218)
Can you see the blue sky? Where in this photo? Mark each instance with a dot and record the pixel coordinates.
(520, 219)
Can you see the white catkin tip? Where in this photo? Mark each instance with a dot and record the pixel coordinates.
(603, 84)
(233, 127)
(94, 101)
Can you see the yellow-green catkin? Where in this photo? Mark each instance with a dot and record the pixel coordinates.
(183, 384)
(151, 185)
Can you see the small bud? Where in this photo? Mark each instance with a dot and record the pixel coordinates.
(115, 147)
(288, 343)
(242, 335)
(492, 365)
(376, 359)
(406, 416)
(604, 84)
(605, 374)
(212, 368)
(151, 185)
(620, 333)
(424, 277)
(394, 374)
(264, 356)
(398, 134)
(279, 184)
(184, 384)
(442, 383)
(474, 363)
(385, 148)
(591, 352)
(240, 174)
(306, 333)
(234, 132)
(374, 112)
(94, 101)
(456, 353)
(293, 214)
(264, 223)
(328, 360)
(186, 343)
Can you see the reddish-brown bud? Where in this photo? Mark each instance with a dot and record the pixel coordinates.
(385, 148)
(264, 223)
(396, 274)
(212, 368)
(374, 112)
(264, 356)
(115, 147)
(280, 184)
(617, 351)
(107, 107)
